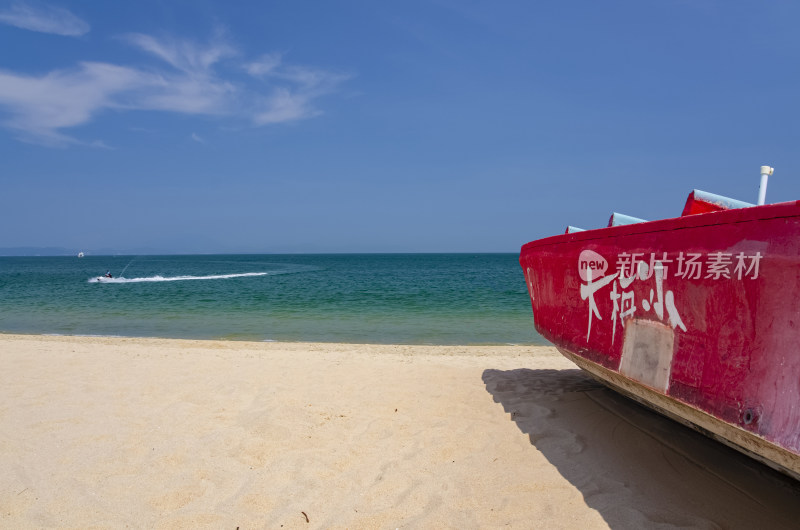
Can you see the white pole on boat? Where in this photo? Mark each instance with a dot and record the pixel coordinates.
(766, 171)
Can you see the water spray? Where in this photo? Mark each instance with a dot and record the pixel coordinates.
(126, 266)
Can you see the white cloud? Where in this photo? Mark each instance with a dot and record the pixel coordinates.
(197, 138)
(284, 106)
(294, 89)
(187, 56)
(186, 95)
(310, 78)
(40, 107)
(270, 67)
(266, 64)
(44, 18)
(194, 88)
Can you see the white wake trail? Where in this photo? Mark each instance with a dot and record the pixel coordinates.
(103, 279)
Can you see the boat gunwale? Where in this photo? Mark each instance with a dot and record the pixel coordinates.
(740, 215)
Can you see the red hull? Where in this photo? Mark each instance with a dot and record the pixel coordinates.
(697, 316)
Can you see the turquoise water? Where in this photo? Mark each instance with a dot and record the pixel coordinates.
(368, 298)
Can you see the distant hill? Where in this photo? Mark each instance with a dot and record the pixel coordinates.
(61, 251)
(37, 251)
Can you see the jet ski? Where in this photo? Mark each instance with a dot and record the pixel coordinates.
(104, 278)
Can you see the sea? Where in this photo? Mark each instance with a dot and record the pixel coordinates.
(351, 298)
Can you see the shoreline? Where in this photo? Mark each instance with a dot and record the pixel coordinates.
(485, 349)
(178, 433)
(544, 344)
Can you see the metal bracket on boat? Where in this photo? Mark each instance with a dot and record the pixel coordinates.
(700, 201)
(572, 229)
(619, 219)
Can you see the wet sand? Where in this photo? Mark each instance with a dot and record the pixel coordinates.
(115, 432)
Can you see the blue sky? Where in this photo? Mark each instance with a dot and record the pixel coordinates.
(363, 126)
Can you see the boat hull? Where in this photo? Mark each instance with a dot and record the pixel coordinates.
(697, 317)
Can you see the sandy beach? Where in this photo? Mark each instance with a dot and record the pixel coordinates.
(152, 433)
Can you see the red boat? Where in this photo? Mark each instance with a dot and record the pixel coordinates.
(697, 317)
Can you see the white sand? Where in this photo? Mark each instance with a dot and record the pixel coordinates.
(113, 432)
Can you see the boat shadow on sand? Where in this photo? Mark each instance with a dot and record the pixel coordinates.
(637, 468)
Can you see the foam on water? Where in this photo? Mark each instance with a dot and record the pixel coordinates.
(157, 278)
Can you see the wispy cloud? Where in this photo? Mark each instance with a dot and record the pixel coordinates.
(197, 138)
(264, 65)
(294, 88)
(45, 18)
(185, 81)
(283, 106)
(186, 56)
(192, 87)
(41, 106)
